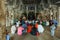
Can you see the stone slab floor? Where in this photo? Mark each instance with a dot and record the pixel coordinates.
(44, 36)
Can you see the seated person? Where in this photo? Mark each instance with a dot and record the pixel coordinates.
(20, 29)
(29, 28)
(13, 29)
(34, 30)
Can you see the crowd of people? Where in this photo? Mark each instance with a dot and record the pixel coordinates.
(23, 26)
(34, 27)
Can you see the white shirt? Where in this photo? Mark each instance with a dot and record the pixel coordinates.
(53, 27)
(17, 24)
(40, 29)
(47, 23)
(13, 29)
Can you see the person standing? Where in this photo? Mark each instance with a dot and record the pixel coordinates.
(52, 27)
(7, 36)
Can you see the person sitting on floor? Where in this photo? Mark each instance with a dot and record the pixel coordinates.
(40, 28)
(52, 27)
(29, 28)
(34, 31)
(13, 29)
(20, 29)
(24, 25)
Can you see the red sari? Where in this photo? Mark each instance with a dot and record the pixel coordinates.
(29, 29)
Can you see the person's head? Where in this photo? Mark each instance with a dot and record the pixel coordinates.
(20, 24)
(33, 27)
(14, 24)
(31, 24)
(20, 18)
(16, 21)
(38, 22)
(52, 23)
(7, 32)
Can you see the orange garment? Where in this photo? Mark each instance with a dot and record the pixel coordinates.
(36, 25)
(29, 29)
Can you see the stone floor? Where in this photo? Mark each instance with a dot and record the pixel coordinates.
(57, 33)
(44, 36)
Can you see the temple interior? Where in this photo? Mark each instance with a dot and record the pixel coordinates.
(31, 9)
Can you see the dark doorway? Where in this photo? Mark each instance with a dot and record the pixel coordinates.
(31, 16)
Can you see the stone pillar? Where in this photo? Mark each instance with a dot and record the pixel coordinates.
(35, 11)
(51, 15)
(2, 20)
(27, 11)
(58, 16)
(57, 32)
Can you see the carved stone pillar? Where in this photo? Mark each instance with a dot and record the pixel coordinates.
(58, 16)
(2, 20)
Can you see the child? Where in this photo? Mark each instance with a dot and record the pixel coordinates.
(7, 36)
(29, 28)
(13, 29)
(52, 27)
(20, 29)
